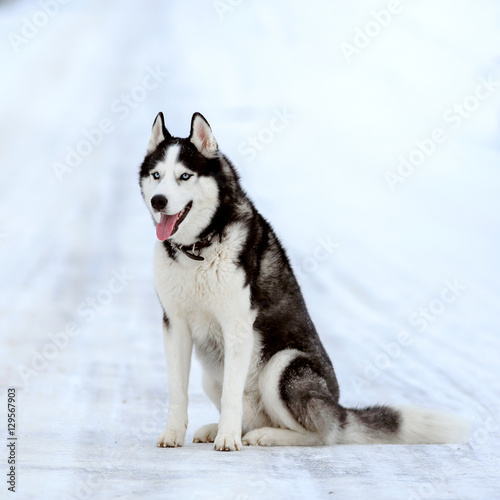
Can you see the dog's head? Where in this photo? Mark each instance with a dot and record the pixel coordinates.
(179, 180)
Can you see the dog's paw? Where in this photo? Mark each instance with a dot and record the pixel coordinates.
(206, 434)
(259, 437)
(171, 438)
(227, 442)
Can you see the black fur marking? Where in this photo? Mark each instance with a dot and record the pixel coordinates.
(282, 320)
(171, 250)
(152, 159)
(309, 397)
(166, 321)
(379, 418)
(231, 197)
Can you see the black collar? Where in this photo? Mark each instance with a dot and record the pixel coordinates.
(193, 251)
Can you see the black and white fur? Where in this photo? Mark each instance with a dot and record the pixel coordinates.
(227, 287)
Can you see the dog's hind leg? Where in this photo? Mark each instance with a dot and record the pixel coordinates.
(213, 390)
(206, 434)
(271, 436)
(300, 401)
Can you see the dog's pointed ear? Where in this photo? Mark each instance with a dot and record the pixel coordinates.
(159, 133)
(201, 136)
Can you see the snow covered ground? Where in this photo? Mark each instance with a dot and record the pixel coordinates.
(367, 132)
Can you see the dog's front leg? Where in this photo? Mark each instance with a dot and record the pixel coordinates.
(178, 347)
(238, 346)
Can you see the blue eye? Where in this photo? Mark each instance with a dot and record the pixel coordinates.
(155, 175)
(185, 177)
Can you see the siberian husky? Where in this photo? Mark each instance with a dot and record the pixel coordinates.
(227, 288)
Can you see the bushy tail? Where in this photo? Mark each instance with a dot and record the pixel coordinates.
(402, 425)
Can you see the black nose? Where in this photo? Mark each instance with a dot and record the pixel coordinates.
(159, 202)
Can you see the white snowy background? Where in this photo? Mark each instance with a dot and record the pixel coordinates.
(400, 273)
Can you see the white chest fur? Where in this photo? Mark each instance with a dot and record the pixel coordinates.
(209, 295)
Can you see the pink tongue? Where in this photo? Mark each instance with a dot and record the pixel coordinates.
(164, 228)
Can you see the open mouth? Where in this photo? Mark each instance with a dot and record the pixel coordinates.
(169, 224)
